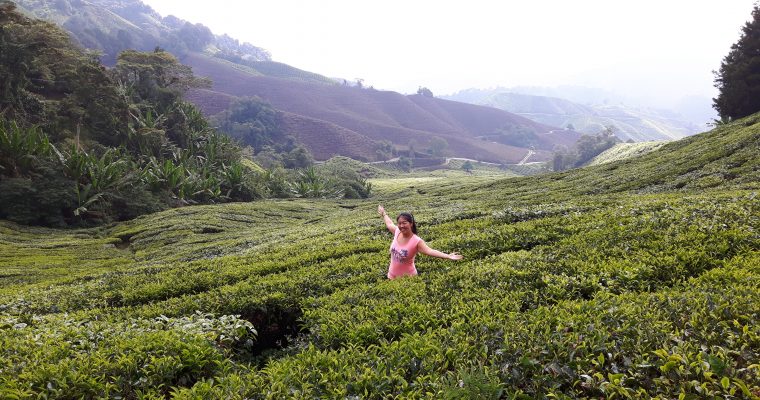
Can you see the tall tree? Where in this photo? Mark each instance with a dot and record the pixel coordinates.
(738, 79)
(156, 77)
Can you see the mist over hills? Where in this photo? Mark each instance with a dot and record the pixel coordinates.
(324, 115)
(591, 111)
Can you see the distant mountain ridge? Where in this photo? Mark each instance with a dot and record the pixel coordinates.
(630, 123)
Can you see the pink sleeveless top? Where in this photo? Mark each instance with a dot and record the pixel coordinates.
(402, 256)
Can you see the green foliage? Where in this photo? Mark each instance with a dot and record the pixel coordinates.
(137, 358)
(738, 80)
(48, 82)
(587, 147)
(46, 199)
(438, 146)
(574, 285)
(156, 78)
(514, 135)
(310, 184)
(298, 157)
(251, 121)
(195, 36)
(129, 147)
(404, 163)
(21, 149)
(467, 166)
(621, 151)
(348, 177)
(385, 150)
(637, 278)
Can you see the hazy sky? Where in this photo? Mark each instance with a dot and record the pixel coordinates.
(657, 49)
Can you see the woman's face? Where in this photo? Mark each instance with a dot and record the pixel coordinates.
(403, 225)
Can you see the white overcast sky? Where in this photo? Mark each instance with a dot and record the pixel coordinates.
(656, 49)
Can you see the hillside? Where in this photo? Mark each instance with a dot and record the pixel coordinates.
(621, 151)
(638, 278)
(112, 26)
(630, 123)
(380, 115)
(239, 70)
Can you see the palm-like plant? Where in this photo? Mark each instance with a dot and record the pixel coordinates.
(20, 148)
(147, 130)
(232, 178)
(311, 184)
(94, 176)
(164, 175)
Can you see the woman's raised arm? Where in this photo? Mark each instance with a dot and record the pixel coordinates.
(388, 221)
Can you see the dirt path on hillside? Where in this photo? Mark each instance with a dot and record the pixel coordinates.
(527, 156)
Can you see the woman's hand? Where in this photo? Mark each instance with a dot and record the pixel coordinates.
(381, 211)
(455, 256)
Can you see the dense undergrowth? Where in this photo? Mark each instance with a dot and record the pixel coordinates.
(634, 279)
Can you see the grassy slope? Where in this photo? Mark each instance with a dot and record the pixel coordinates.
(608, 279)
(621, 151)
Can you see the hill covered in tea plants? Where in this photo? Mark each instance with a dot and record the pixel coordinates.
(636, 278)
(326, 116)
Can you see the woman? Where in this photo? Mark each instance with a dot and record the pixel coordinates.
(406, 244)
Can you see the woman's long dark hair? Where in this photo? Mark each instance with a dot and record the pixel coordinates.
(410, 218)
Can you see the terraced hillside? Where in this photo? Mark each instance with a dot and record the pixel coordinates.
(638, 278)
(331, 118)
(622, 151)
(379, 115)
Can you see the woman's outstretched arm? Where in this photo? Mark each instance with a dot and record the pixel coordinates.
(388, 221)
(423, 248)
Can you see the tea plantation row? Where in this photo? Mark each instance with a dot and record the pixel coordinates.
(640, 278)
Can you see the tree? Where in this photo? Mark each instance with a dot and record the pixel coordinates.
(412, 148)
(156, 77)
(438, 146)
(405, 164)
(384, 149)
(587, 147)
(250, 120)
(590, 146)
(738, 80)
(467, 167)
(424, 92)
(196, 36)
(299, 157)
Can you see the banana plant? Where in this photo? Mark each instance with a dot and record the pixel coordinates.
(164, 175)
(311, 184)
(20, 148)
(232, 178)
(94, 177)
(146, 131)
(86, 197)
